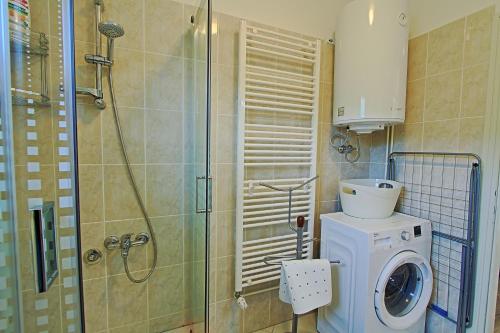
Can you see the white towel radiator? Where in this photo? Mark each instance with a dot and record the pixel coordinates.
(278, 93)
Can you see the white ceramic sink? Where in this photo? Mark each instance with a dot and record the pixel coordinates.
(369, 198)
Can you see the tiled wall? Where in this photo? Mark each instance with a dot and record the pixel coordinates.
(448, 71)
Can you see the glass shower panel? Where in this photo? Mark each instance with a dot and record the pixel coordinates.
(42, 160)
(159, 80)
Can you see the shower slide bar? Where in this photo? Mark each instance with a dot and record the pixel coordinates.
(278, 102)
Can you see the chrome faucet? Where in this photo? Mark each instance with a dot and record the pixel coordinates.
(125, 242)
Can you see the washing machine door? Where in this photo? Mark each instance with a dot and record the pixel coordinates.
(403, 290)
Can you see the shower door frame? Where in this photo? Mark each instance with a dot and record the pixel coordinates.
(8, 137)
(208, 188)
(67, 14)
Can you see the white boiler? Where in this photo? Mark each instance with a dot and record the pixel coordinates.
(371, 54)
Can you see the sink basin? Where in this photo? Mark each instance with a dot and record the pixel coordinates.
(369, 198)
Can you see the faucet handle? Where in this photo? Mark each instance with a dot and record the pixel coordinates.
(111, 242)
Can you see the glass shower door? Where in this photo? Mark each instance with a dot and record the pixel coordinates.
(39, 257)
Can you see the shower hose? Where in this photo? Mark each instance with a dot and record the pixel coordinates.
(134, 187)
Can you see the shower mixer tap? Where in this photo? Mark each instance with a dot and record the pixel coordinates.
(125, 242)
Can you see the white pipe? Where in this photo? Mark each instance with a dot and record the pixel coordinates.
(287, 98)
(272, 245)
(270, 239)
(285, 152)
(299, 59)
(267, 224)
(278, 71)
(277, 158)
(308, 135)
(307, 129)
(274, 211)
(290, 105)
(283, 198)
(256, 138)
(281, 216)
(278, 204)
(282, 85)
(276, 164)
(289, 79)
(388, 130)
(279, 91)
(287, 36)
(273, 145)
(281, 41)
(265, 108)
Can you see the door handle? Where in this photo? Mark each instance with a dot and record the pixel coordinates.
(203, 180)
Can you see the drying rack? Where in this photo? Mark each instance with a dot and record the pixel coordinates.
(444, 188)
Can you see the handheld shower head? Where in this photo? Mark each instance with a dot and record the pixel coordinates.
(111, 30)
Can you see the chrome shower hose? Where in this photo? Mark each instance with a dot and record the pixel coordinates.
(134, 187)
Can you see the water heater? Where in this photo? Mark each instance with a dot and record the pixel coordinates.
(371, 54)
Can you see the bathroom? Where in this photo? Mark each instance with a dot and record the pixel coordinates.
(123, 125)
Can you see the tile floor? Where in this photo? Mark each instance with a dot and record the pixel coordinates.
(307, 324)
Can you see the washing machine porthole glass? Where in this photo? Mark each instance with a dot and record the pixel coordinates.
(403, 289)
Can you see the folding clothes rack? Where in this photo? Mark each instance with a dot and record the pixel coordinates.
(278, 125)
(444, 188)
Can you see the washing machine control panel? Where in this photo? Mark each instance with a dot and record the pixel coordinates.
(405, 235)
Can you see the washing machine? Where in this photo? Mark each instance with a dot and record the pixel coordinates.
(383, 283)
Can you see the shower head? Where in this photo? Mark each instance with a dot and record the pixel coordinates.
(111, 29)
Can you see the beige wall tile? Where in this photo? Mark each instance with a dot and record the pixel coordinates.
(119, 199)
(258, 315)
(441, 136)
(329, 181)
(226, 187)
(89, 134)
(228, 317)
(224, 285)
(165, 27)
(164, 136)
(442, 96)
(228, 40)
(163, 196)
(84, 21)
(417, 57)
(92, 236)
(165, 301)
(226, 230)
(132, 124)
(125, 307)
(475, 90)
(327, 62)
(91, 193)
(131, 19)
(408, 137)
(163, 82)
(415, 100)
(227, 90)
(445, 48)
(326, 103)
(128, 76)
(96, 312)
(170, 239)
(471, 135)
(169, 322)
(226, 139)
(478, 36)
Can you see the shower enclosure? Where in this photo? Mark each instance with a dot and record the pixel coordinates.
(104, 165)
